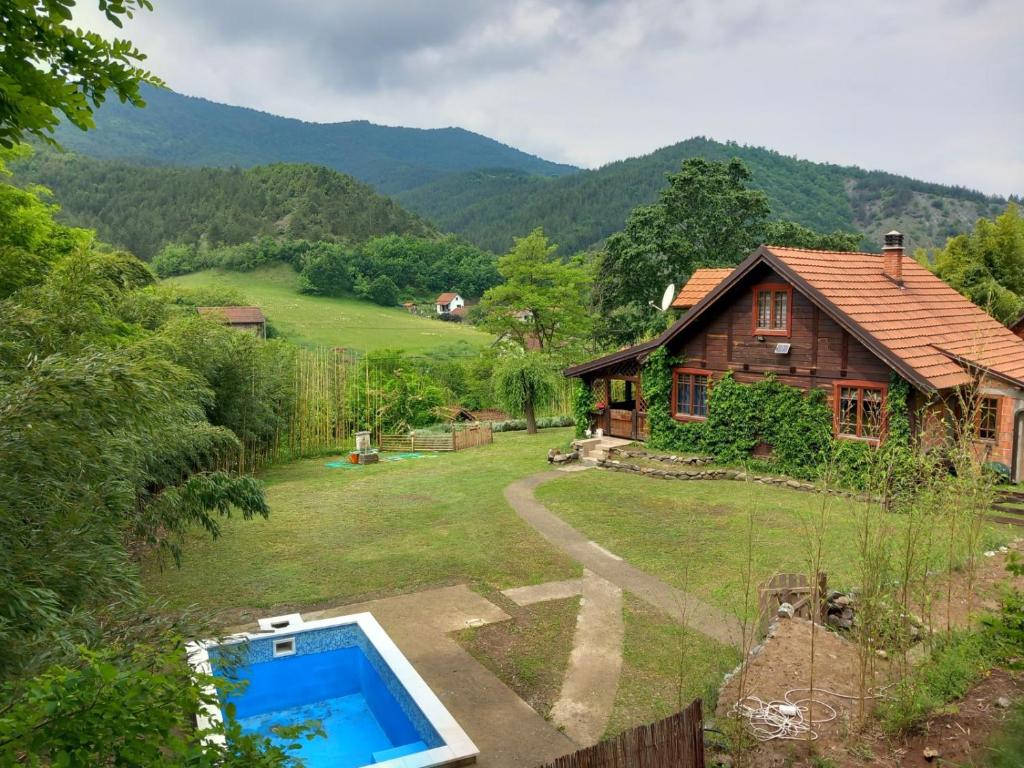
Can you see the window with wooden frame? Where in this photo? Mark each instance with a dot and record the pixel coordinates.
(773, 310)
(988, 419)
(859, 410)
(690, 393)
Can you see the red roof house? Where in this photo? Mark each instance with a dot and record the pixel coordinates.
(840, 322)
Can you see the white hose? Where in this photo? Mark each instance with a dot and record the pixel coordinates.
(788, 718)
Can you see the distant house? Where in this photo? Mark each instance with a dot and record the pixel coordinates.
(448, 303)
(409, 306)
(243, 318)
(839, 323)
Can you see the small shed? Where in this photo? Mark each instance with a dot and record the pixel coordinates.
(244, 318)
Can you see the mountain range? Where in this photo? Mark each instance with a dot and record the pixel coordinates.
(174, 129)
(488, 192)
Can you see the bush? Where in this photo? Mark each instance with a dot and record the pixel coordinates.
(955, 664)
(545, 422)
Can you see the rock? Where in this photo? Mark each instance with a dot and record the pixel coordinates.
(990, 553)
(842, 601)
(1003, 703)
(930, 753)
(1004, 550)
(882, 653)
(786, 611)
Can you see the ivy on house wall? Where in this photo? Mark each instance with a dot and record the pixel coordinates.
(582, 405)
(797, 426)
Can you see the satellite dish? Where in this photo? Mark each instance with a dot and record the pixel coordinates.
(666, 299)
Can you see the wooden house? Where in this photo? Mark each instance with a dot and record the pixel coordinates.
(244, 318)
(839, 322)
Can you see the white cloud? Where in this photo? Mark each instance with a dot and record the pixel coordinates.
(921, 87)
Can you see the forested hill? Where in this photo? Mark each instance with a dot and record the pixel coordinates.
(175, 129)
(491, 207)
(142, 208)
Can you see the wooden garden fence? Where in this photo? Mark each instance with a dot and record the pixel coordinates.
(675, 742)
(795, 589)
(456, 440)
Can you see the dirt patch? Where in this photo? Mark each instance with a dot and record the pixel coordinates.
(962, 736)
(971, 597)
(782, 665)
(530, 653)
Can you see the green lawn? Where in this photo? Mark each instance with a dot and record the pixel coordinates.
(329, 322)
(694, 534)
(339, 535)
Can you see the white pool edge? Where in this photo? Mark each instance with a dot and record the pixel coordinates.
(457, 745)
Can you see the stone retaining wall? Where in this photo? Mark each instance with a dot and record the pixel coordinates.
(711, 474)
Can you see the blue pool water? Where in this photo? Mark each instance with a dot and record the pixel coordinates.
(365, 713)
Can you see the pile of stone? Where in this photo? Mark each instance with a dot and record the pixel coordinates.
(840, 610)
(555, 456)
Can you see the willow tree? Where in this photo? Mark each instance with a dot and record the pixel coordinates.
(520, 381)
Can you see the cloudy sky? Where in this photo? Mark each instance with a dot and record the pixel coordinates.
(929, 88)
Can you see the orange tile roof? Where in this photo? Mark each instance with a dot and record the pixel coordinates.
(234, 315)
(929, 326)
(445, 298)
(701, 282)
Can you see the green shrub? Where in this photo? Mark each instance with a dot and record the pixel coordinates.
(955, 664)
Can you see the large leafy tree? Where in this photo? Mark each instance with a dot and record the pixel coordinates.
(543, 302)
(987, 265)
(707, 216)
(49, 68)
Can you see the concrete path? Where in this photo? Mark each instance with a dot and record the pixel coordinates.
(591, 680)
(506, 730)
(683, 607)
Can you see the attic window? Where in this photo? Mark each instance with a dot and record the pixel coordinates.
(773, 310)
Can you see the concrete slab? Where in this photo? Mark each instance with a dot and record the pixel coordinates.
(539, 593)
(592, 678)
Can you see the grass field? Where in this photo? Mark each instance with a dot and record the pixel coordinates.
(329, 322)
(694, 534)
(338, 535)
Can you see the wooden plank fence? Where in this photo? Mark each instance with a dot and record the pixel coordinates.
(675, 742)
(457, 440)
(795, 589)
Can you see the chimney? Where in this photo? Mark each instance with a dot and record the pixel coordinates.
(892, 257)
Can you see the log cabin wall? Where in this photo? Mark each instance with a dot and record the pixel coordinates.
(821, 351)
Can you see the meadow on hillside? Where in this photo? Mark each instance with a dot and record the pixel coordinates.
(333, 322)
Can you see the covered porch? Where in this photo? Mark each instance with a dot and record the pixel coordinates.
(620, 409)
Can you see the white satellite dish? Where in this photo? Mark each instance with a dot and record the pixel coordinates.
(668, 296)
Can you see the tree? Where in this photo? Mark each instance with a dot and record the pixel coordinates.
(707, 216)
(796, 235)
(520, 380)
(50, 68)
(543, 300)
(987, 265)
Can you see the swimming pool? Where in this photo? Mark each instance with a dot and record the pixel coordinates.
(345, 673)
